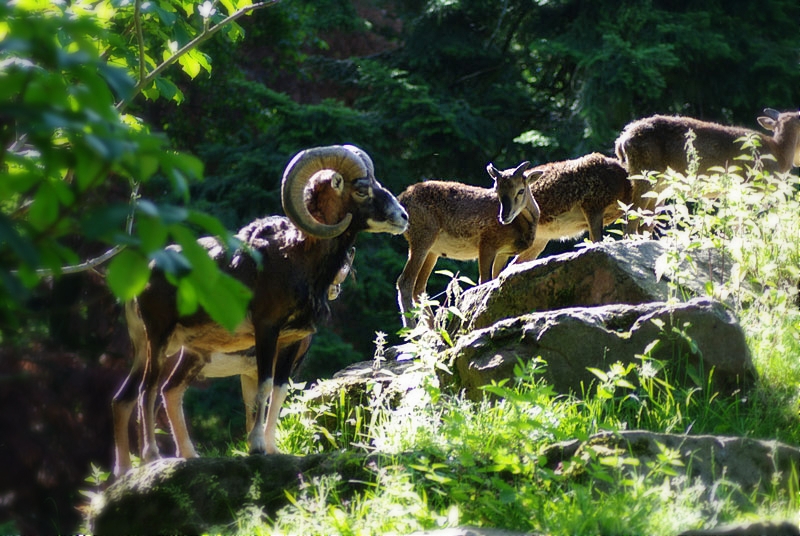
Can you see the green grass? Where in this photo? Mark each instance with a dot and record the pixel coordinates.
(458, 462)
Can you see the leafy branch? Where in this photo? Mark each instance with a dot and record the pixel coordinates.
(144, 79)
(205, 35)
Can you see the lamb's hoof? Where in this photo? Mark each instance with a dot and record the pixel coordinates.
(264, 450)
(151, 455)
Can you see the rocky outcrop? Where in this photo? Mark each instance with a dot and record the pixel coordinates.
(195, 496)
(736, 466)
(693, 338)
(620, 272)
(581, 310)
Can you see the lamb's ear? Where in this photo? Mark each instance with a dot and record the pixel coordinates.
(522, 167)
(767, 122)
(492, 171)
(533, 174)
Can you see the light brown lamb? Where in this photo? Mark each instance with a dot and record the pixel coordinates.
(574, 196)
(659, 143)
(462, 222)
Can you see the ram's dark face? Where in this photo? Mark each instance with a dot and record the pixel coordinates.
(364, 205)
(377, 208)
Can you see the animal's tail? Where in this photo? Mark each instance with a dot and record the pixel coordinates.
(137, 333)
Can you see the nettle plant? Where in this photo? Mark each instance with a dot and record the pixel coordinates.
(746, 214)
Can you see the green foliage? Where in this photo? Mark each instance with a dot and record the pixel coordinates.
(69, 71)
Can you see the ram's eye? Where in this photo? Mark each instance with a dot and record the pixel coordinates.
(361, 196)
(520, 192)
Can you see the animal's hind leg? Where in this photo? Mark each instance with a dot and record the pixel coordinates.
(125, 399)
(148, 394)
(186, 368)
(425, 274)
(411, 278)
(121, 408)
(249, 390)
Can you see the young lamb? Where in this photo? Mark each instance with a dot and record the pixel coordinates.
(573, 196)
(659, 143)
(462, 222)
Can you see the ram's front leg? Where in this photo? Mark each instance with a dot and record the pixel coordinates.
(288, 359)
(266, 357)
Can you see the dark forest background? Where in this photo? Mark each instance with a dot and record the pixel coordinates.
(430, 89)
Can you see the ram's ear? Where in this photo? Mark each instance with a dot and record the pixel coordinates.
(337, 183)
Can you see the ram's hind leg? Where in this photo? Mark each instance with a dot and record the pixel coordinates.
(124, 400)
(187, 366)
(148, 396)
(122, 406)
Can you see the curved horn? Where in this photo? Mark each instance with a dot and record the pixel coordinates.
(771, 113)
(365, 157)
(303, 166)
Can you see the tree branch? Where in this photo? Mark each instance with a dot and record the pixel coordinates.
(194, 43)
(137, 23)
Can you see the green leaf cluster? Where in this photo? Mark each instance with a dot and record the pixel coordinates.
(72, 162)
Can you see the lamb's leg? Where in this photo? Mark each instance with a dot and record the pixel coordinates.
(486, 258)
(424, 274)
(532, 252)
(499, 263)
(411, 277)
(640, 186)
(594, 219)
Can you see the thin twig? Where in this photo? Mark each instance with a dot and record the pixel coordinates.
(137, 22)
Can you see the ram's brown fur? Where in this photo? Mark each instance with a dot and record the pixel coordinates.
(300, 258)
